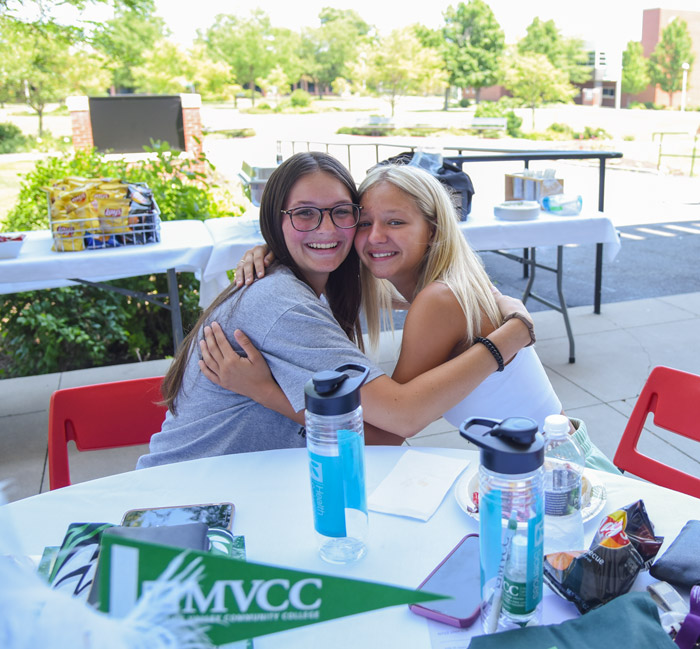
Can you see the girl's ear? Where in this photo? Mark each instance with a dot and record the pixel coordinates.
(433, 230)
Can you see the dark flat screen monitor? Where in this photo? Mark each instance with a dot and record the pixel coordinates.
(125, 123)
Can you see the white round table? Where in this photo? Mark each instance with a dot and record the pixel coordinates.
(271, 494)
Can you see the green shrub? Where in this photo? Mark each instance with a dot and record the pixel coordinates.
(559, 127)
(71, 328)
(513, 125)
(300, 98)
(371, 131)
(593, 133)
(501, 108)
(12, 139)
(464, 102)
(240, 132)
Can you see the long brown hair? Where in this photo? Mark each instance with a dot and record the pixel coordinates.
(343, 286)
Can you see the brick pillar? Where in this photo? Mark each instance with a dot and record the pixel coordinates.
(79, 108)
(192, 122)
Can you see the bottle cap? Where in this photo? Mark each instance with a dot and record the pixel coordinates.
(556, 424)
(518, 553)
(332, 392)
(510, 446)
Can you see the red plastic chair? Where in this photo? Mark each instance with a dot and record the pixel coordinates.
(674, 398)
(106, 415)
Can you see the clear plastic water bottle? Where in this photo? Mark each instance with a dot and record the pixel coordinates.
(336, 446)
(562, 204)
(511, 510)
(563, 462)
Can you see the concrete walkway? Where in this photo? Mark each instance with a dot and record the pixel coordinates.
(615, 352)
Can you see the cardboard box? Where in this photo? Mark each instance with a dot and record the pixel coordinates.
(525, 188)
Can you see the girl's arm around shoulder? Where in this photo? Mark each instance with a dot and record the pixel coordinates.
(248, 375)
(435, 325)
(405, 409)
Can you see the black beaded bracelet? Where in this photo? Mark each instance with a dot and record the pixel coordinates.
(493, 349)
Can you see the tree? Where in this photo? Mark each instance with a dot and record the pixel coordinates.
(278, 81)
(533, 80)
(328, 49)
(286, 46)
(399, 65)
(246, 44)
(46, 67)
(635, 69)
(126, 39)
(472, 45)
(566, 54)
(666, 61)
(87, 72)
(211, 79)
(165, 70)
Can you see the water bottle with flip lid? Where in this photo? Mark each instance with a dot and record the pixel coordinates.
(511, 527)
(336, 447)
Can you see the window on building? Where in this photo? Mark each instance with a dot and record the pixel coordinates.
(608, 92)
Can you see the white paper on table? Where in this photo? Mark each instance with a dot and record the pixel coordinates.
(416, 485)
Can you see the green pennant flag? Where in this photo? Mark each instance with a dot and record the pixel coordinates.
(239, 599)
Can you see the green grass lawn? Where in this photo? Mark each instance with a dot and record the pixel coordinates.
(10, 178)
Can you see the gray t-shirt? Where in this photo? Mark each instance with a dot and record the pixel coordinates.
(296, 333)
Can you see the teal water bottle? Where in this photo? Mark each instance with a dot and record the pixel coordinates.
(511, 526)
(336, 446)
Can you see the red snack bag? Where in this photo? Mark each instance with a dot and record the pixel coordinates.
(623, 546)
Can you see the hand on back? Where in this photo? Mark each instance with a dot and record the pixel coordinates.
(247, 375)
(253, 264)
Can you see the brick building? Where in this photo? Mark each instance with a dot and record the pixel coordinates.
(653, 23)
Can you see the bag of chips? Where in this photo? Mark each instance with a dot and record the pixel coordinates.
(623, 546)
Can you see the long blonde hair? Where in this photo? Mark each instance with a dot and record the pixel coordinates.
(448, 259)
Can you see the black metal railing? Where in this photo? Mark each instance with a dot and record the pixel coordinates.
(473, 154)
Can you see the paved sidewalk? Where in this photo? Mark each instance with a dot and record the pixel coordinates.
(615, 352)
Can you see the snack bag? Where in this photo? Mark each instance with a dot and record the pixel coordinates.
(141, 195)
(67, 234)
(113, 215)
(623, 546)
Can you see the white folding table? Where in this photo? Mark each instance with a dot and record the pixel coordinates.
(234, 235)
(185, 246)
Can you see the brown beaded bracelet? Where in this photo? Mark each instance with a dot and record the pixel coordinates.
(526, 322)
(493, 349)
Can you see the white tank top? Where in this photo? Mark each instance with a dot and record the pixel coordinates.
(522, 389)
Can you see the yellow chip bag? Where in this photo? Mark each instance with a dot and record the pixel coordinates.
(113, 215)
(67, 236)
(86, 218)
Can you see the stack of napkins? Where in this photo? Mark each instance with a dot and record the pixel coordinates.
(416, 485)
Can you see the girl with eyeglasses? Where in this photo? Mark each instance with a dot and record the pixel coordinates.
(409, 244)
(303, 317)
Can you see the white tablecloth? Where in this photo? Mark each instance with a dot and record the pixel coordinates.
(234, 235)
(485, 232)
(184, 246)
(272, 497)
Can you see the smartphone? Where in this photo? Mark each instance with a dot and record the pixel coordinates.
(219, 515)
(458, 576)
